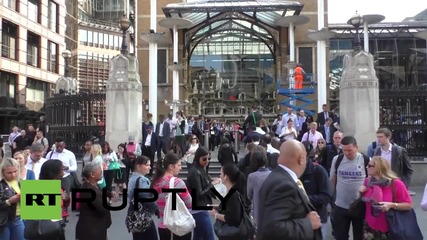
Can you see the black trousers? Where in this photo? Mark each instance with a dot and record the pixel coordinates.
(341, 220)
(164, 147)
(149, 152)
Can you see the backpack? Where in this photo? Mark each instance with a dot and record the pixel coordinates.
(179, 221)
(341, 157)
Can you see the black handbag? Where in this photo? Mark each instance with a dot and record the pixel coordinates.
(402, 225)
(357, 208)
(139, 220)
(42, 229)
(245, 229)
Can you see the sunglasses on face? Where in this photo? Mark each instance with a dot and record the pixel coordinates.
(206, 158)
(371, 166)
(193, 138)
(320, 142)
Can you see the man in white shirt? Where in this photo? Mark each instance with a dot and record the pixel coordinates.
(313, 135)
(290, 115)
(69, 161)
(36, 160)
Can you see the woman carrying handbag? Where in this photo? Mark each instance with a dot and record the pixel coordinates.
(232, 222)
(383, 193)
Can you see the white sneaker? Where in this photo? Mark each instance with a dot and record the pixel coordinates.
(411, 193)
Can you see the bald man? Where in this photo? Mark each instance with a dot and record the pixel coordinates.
(285, 210)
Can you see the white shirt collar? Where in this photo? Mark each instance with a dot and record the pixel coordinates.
(293, 175)
(389, 148)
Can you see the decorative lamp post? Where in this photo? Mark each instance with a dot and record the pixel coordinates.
(66, 55)
(356, 21)
(124, 25)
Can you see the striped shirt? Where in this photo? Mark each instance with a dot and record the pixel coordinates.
(161, 201)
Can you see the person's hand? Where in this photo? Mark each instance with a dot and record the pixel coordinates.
(362, 189)
(314, 219)
(64, 196)
(386, 206)
(15, 199)
(216, 181)
(213, 212)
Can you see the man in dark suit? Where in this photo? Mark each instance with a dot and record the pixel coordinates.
(146, 124)
(285, 209)
(322, 116)
(253, 119)
(327, 130)
(163, 133)
(149, 145)
(396, 156)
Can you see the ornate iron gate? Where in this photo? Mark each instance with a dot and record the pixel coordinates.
(405, 113)
(77, 118)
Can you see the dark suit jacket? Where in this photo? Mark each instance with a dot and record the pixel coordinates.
(154, 141)
(400, 163)
(93, 222)
(249, 121)
(166, 129)
(332, 130)
(283, 208)
(144, 128)
(321, 118)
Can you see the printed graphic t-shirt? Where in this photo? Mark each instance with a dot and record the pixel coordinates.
(350, 177)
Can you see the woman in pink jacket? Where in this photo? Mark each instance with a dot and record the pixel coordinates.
(378, 196)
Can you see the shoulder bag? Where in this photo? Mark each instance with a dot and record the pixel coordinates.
(42, 229)
(246, 228)
(402, 225)
(137, 220)
(4, 213)
(179, 221)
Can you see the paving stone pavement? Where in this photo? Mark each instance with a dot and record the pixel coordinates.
(118, 230)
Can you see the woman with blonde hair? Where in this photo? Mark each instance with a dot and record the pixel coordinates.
(10, 195)
(377, 193)
(26, 174)
(96, 151)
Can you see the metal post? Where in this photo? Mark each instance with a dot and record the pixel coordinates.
(207, 139)
(236, 141)
(321, 58)
(152, 87)
(365, 37)
(175, 85)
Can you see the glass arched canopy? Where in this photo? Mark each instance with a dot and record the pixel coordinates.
(231, 50)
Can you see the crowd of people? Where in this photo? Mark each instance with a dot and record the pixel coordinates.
(296, 175)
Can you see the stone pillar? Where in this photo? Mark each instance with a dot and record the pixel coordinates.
(124, 100)
(359, 99)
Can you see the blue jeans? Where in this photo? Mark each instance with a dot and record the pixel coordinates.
(150, 233)
(13, 230)
(203, 229)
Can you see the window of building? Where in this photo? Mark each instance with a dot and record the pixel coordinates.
(161, 66)
(34, 10)
(33, 49)
(9, 48)
(36, 90)
(12, 4)
(53, 16)
(52, 57)
(83, 36)
(305, 57)
(8, 84)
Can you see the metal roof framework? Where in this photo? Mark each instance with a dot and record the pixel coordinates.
(386, 30)
(221, 17)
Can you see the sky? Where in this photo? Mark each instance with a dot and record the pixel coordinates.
(394, 10)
